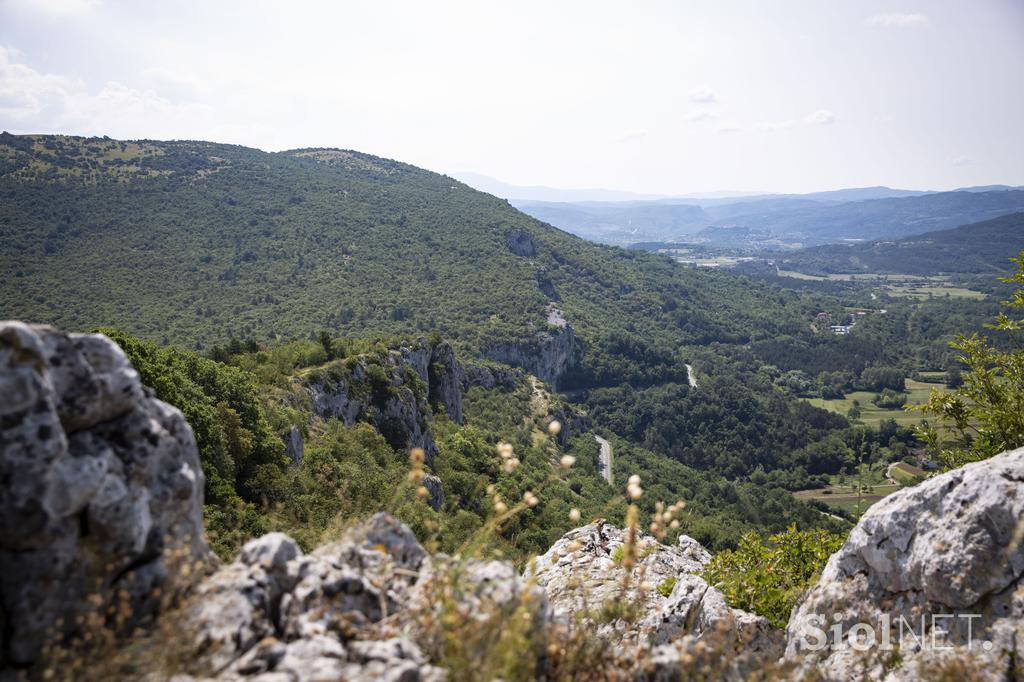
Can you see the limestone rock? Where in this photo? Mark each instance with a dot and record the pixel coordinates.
(276, 613)
(294, 447)
(490, 376)
(549, 355)
(435, 491)
(396, 393)
(445, 379)
(579, 575)
(100, 482)
(943, 561)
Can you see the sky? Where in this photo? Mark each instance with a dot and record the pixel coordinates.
(669, 97)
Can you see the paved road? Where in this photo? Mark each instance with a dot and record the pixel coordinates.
(691, 376)
(604, 461)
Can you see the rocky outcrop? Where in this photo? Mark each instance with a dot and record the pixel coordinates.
(521, 244)
(582, 574)
(278, 614)
(368, 607)
(491, 376)
(101, 490)
(294, 446)
(445, 379)
(927, 586)
(397, 393)
(550, 355)
(435, 491)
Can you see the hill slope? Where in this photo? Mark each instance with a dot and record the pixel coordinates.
(976, 248)
(195, 243)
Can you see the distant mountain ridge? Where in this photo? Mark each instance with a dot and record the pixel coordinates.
(781, 220)
(981, 247)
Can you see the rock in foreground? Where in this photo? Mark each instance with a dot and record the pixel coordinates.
(663, 602)
(928, 583)
(101, 491)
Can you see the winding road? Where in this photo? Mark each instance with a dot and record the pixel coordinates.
(604, 461)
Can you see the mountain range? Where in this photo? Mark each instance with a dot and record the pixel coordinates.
(774, 220)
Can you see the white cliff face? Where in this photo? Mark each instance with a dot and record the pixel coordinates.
(943, 558)
(550, 355)
(99, 480)
(400, 393)
(397, 394)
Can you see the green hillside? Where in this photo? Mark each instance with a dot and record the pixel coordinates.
(195, 243)
(982, 247)
(283, 266)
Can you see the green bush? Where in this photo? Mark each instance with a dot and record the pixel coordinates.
(768, 578)
(983, 414)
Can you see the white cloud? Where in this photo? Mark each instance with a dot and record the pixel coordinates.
(820, 117)
(176, 79)
(898, 20)
(703, 115)
(961, 161)
(63, 8)
(24, 92)
(40, 102)
(727, 129)
(702, 94)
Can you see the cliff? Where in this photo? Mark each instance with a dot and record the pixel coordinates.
(549, 355)
(399, 391)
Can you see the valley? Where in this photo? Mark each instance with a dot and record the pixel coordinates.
(277, 274)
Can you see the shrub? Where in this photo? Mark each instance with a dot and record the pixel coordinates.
(769, 577)
(984, 414)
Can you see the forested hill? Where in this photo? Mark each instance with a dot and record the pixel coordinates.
(194, 243)
(982, 247)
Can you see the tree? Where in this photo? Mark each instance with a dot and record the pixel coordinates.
(889, 398)
(986, 413)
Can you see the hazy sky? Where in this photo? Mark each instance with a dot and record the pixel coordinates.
(659, 97)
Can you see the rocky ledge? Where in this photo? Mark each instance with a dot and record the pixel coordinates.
(369, 606)
(101, 492)
(927, 586)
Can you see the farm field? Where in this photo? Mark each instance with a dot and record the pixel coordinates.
(844, 498)
(841, 493)
(902, 286)
(871, 414)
